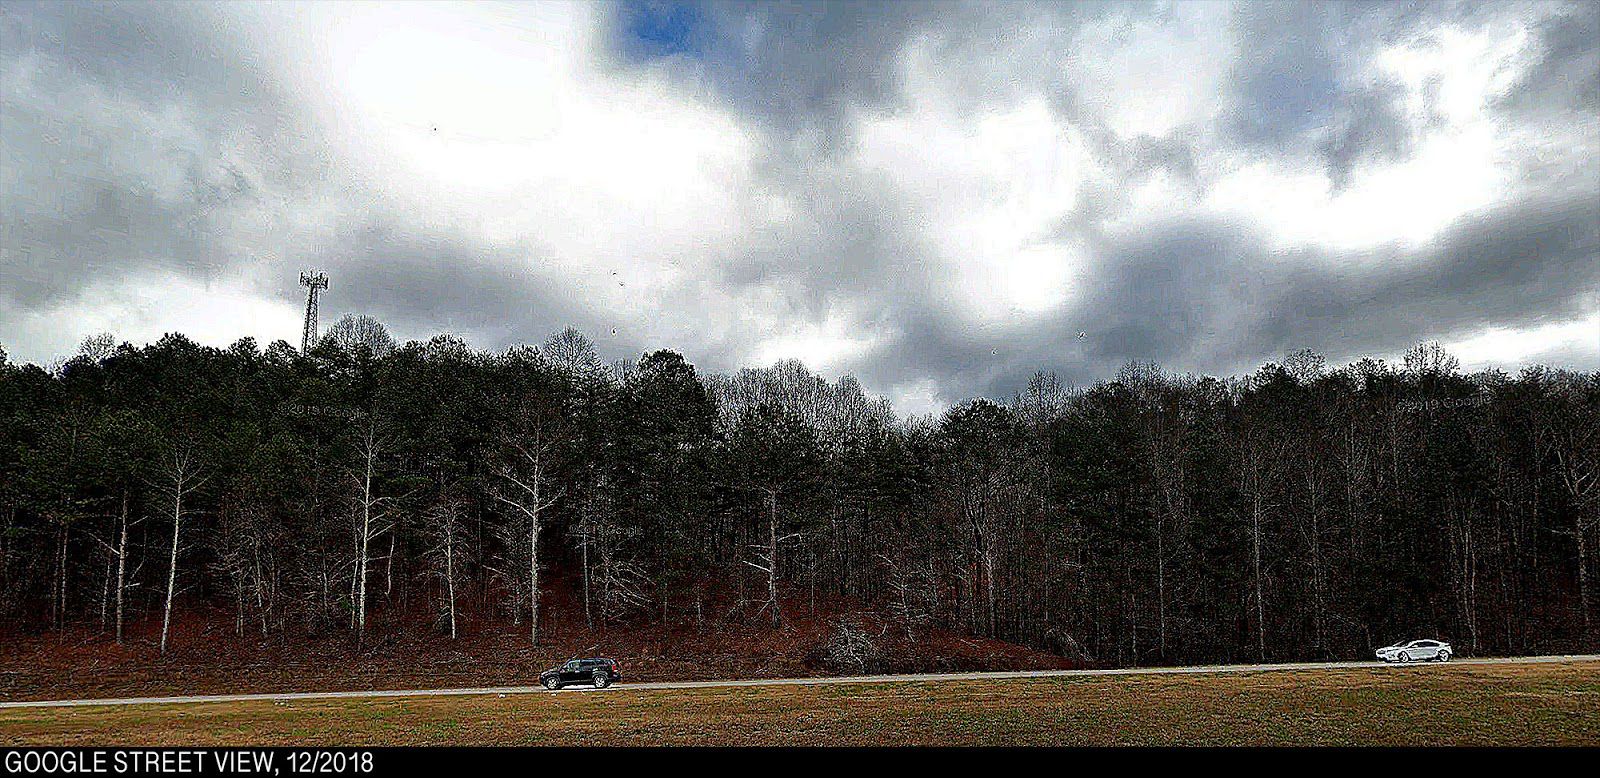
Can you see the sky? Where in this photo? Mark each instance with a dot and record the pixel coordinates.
(939, 199)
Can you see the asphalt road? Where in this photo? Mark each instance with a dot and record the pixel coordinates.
(923, 677)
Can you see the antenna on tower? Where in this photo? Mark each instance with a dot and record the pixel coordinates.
(314, 281)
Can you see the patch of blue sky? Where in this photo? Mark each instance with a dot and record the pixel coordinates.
(652, 29)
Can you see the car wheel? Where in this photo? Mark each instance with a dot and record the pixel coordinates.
(1444, 656)
(601, 680)
(1405, 657)
(552, 683)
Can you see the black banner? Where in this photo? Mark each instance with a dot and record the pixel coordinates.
(436, 760)
(197, 761)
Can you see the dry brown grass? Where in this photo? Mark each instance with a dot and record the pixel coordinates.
(1537, 704)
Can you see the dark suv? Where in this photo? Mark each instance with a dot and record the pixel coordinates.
(600, 672)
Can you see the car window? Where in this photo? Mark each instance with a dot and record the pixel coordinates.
(570, 666)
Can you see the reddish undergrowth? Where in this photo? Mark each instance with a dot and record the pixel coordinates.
(207, 657)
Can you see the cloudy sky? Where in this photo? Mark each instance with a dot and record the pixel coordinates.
(939, 198)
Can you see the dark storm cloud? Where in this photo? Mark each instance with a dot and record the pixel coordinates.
(1205, 295)
(1521, 264)
(422, 283)
(132, 135)
(155, 53)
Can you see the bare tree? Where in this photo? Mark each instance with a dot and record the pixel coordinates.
(122, 565)
(1165, 452)
(244, 557)
(767, 555)
(625, 587)
(526, 488)
(358, 332)
(910, 588)
(1260, 457)
(446, 553)
(182, 477)
(594, 523)
(96, 348)
(572, 353)
(117, 553)
(372, 515)
(1572, 437)
(849, 649)
(1430, 360)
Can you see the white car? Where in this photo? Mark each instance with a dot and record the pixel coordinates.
(1416, 650)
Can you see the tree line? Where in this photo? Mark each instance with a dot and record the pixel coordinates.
(1300, 512)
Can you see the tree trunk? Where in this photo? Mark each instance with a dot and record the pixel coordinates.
(388, 569)
(772, 558)
(533, 578)
(59, 593)
(450, 577)
(172, 563)
(1318, 610)
(988, 583)
(122, 564)
(370, 448)
(105, 592)
(1584, 607)
(1255, 561)
(533, 550)
(588, 618)
(260, 586)
(1161, 590)
(361, 563)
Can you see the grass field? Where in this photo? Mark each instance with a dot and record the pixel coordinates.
(1536, 704)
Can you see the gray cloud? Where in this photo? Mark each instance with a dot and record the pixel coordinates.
(804, 68)
(134, 136)
(1370, 126)
(1210, 296)
(1565, 78)
(420, 284)
(1297, 90)
(142, 140)
(1286, 78)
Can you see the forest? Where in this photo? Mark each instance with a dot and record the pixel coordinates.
(1300, 512)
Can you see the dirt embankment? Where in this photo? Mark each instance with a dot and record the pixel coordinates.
(207, 657)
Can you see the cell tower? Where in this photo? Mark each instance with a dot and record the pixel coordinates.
(314, 282)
